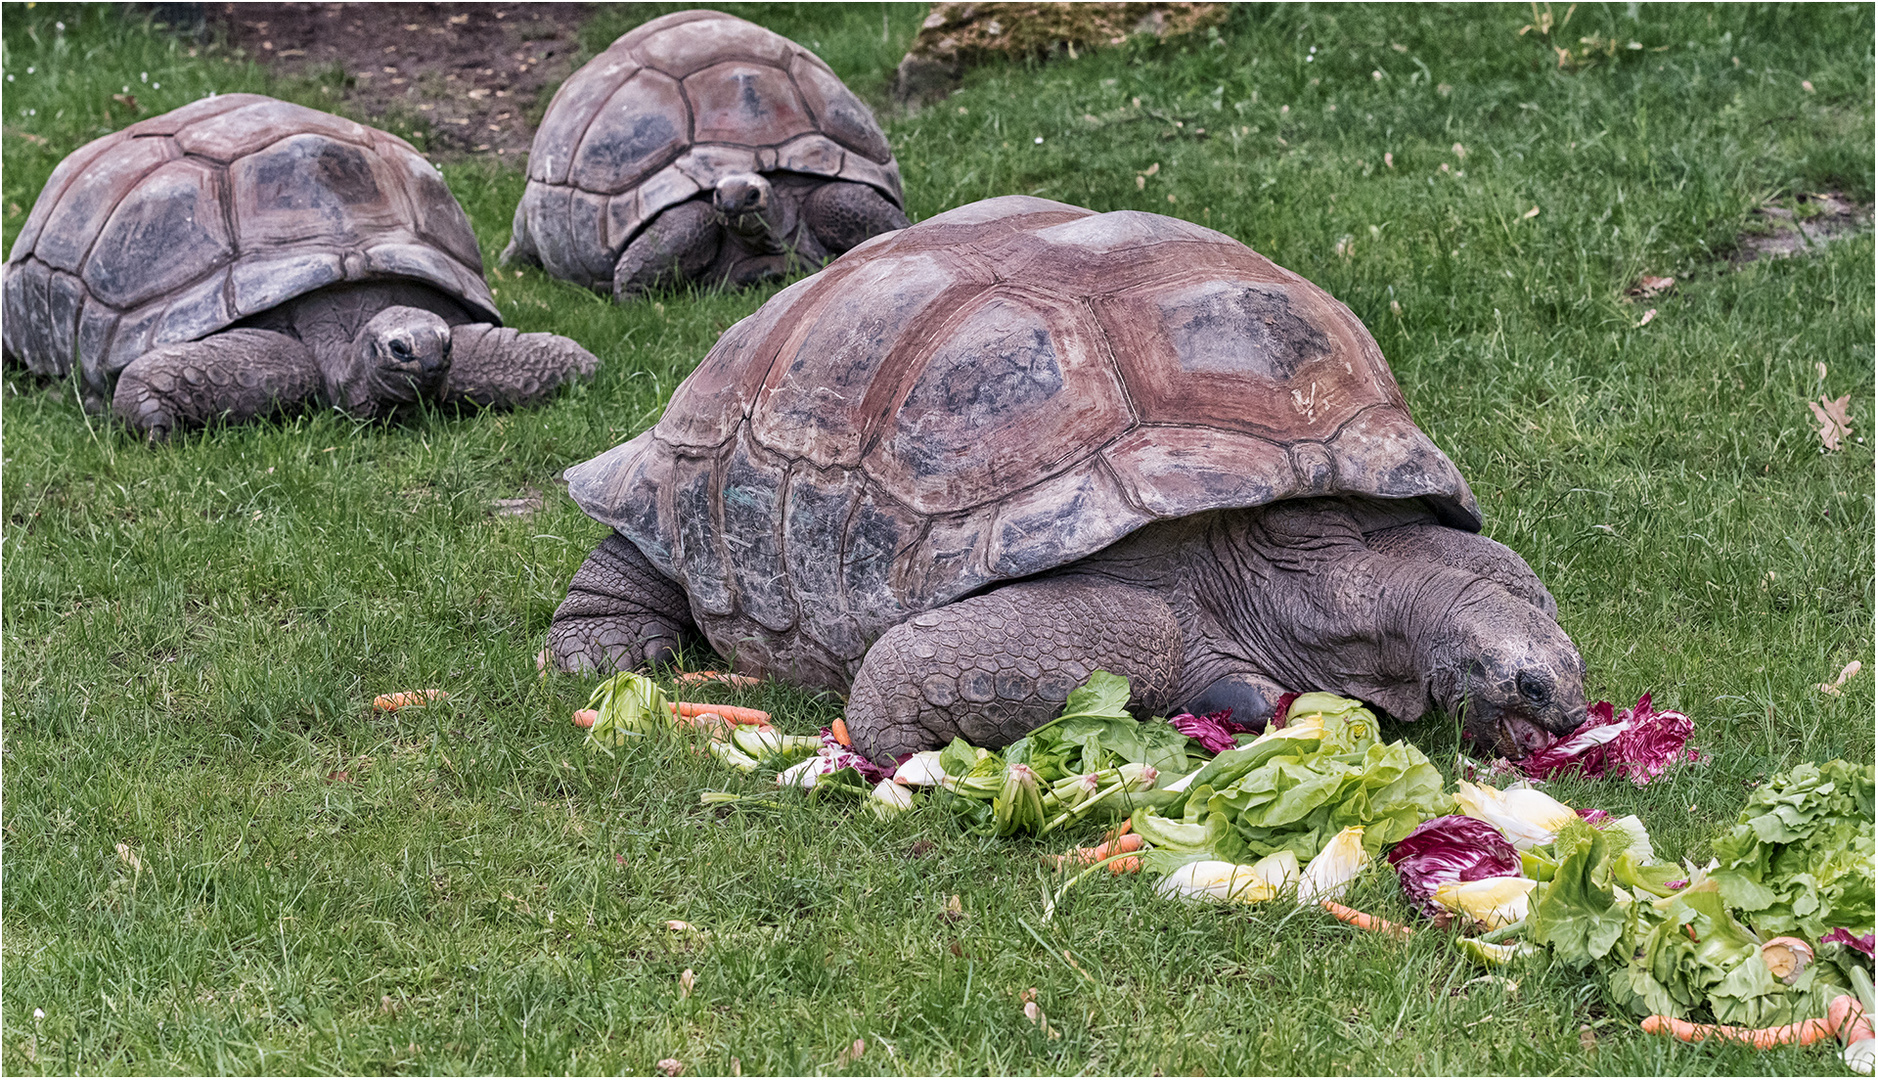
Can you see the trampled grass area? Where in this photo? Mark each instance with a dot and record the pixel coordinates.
(192, 633)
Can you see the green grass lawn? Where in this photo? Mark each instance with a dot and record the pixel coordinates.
(192, 634)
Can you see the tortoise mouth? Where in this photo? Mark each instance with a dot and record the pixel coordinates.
(1507, 734)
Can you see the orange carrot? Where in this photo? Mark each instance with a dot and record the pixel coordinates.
(586, 717)
(1130, 865)
(732, 713)
(1364, 921)
(1847, 1019)
(693, 678)
(1805, 1033)
(1089, 856)
(407, 698)
(839, 729)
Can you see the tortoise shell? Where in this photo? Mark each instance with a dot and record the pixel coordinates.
(183, 224)
(667, 111)
(996, 392)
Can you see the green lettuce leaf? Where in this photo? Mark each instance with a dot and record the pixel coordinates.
(1577, 916)
(1799, 858)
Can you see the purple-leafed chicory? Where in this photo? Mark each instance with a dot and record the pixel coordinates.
(1639, 742)
(1862, 942)
(1214, 731)
(840, 757)
(1450, 848)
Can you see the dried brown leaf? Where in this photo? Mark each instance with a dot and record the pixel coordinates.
(1834, 424)
(852, 1053)
(1845, 673)
(1648, 316)
(671, 1066)
(1649, 286)
(687, 981)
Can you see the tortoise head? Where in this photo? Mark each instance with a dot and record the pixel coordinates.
(1520, 682)
(743, 200)
(402, 355)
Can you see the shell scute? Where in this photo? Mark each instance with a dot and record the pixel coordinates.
(1060, 520)
(836, 111)
(310, 187)
(694, 44)
(1239, 354)
(752, 491)
(696, 485)
(824, 401)
(87, 202)
(227, 136)
(710, 406)
(642, 128)
(571, 112)
(175, 211)
(1174, 470)
(815, 513)
(745, 103)
(1014, 387)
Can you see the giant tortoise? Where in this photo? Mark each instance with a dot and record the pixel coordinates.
(700, 147)
(242, 255)
(974, 460)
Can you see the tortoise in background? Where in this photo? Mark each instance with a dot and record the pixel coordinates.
(703, 148)
(976, 459)
(241, 256)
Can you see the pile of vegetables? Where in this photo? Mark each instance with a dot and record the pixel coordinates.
(1773, 940)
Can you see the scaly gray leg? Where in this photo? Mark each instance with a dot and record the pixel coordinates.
(678, 246)
(995, 666)
(842, 215)
(1468, 551)
(620, 612)
(500, 367)
(235, 375)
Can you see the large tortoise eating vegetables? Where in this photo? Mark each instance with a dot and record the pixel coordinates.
(974, 460)
(703, 148)
(241, 255)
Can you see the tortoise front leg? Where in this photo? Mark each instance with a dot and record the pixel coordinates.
(993, 667)
(500, 367)
(235, 375)
(678, 246)
(620, 612)
(842, 215)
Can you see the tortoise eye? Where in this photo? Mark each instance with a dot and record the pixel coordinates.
(399, 349)
(1534, 688)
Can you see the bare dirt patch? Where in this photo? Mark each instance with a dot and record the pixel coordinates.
(477, 75)
(1814, 221)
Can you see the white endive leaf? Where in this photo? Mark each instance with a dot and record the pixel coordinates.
(1213, 879)
(1330, 873)
(1494, 901)
(920, 770)
(1527, 817)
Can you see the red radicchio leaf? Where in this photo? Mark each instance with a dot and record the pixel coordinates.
(1639, 742)
(844, 758)
(1594, 816)
(1214, 731)
(1862, 942)
(1451, 848)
